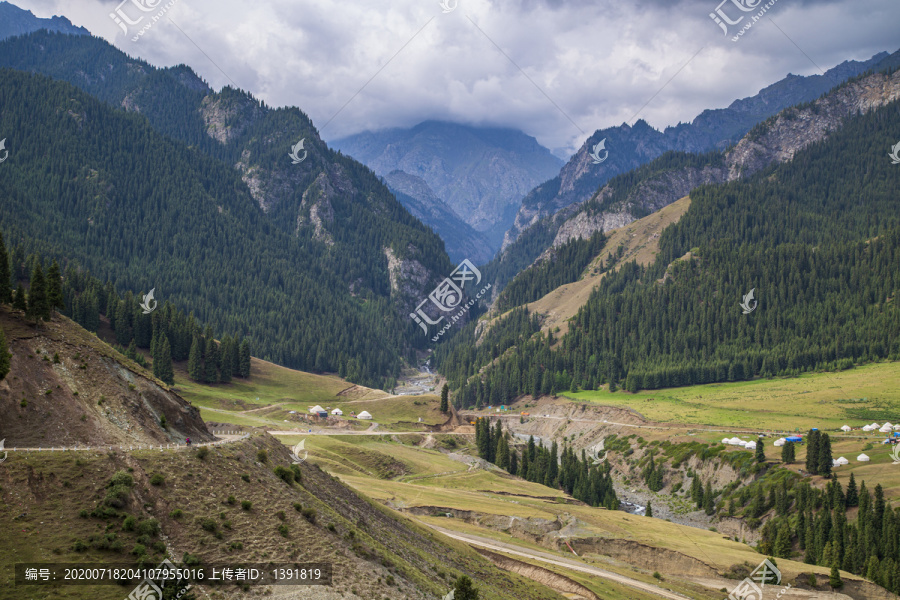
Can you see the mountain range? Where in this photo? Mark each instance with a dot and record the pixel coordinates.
(480, 173)
(553, 202)
(316, 261)
(16, 21)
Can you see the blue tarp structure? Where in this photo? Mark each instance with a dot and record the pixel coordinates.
(794, 438)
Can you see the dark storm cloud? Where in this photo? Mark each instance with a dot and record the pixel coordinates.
(592, 63)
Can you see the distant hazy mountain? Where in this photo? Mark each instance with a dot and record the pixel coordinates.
(480, 173)
(632, 146)
(460, 239)
(16, 21)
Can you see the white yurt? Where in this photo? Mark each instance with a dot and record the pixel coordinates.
(364, 415)
(750, 445)
(886, 429)
(863, 458)
(841, 461)
(896, 427)
(875, 425)
(726, 441)
(337, 412)
(735, 441)
(316, 409)
(867, 428)
(780, 442)
(888, 424)
(845, 428)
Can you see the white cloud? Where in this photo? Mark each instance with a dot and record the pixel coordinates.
(598, 61)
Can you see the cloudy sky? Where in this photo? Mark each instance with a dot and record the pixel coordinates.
(556, 69)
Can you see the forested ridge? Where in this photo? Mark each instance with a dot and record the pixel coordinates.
(100, 187)
(817, 238)
(563, 265)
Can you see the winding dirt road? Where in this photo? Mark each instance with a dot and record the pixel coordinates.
(558, 561)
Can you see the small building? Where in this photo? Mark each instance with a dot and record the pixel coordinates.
(863, 458)
(780, 442)
(840, 461)
(337, 412)
(794, 438)
(364, 415)
(846, 428)
(316, 409)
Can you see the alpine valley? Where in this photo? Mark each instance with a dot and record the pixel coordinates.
(670, 371)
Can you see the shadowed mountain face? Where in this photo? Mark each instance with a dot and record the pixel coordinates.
(15, 21)
(632, 146)
(480, 173)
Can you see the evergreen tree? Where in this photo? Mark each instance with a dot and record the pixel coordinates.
(834, 578)
(760, 452)
(708, 500)
(503, 454)
(824, 455)
(245, 359)
(54, 287)
(787, 453)
(211, 361)
(38, 303)
(649, 511)
(852, 497)
(228, 350)
(465, 589)
(162, 362)
(445, 398)
(513, 462)
(812, 452)
(195, 361)
(19, 302)
(4, 356)
(5, 275)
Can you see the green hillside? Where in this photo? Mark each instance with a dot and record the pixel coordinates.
(817, 238)
(101, 189)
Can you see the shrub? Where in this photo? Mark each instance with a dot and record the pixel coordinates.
(298, 507)
(389, 580)
(309, 514)
(657, 575)
(283, 530)
(262, 456)
(117, 496)
(129, 523)
(245, 477)
(144, 539)
(209, 524)
(157, 479)
(236, 546)
(79, 546)
(330, 527)
(83, 514)
(121, 478)
(246, 504)
(177, 513)
(284, 474)
(190, 560)
(280, 515)
(139, 550)
(231, 500)
(298, 474)
(149, 527)
(163, 423)
(202, 452)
